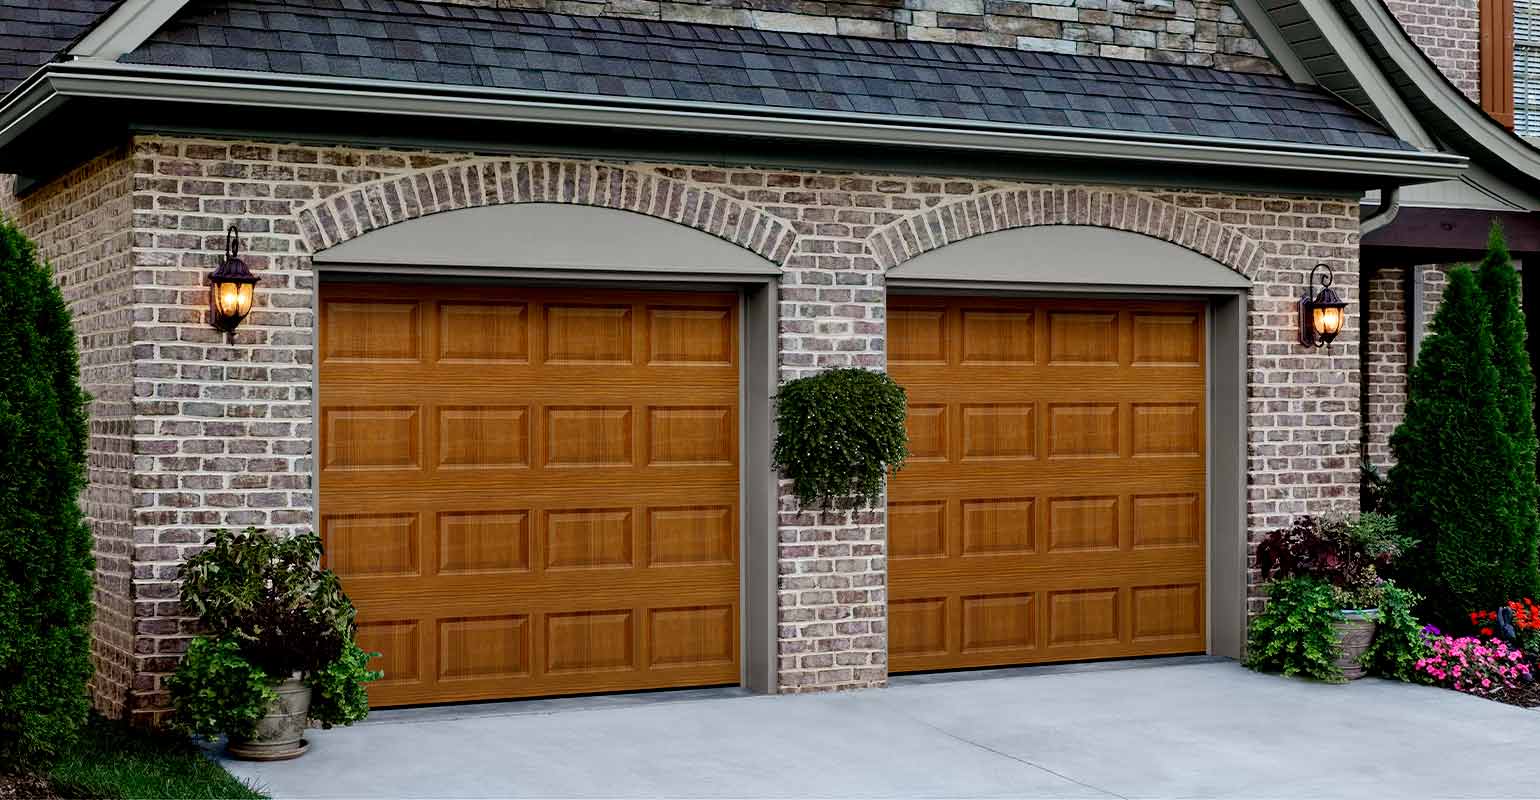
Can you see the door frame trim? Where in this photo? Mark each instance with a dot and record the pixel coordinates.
(758, 371)
(1225, 463)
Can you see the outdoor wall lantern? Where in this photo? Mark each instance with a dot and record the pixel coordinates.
(1321, 316)
(230, 288)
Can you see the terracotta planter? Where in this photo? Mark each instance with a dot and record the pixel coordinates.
(1354, 633)
(281, 734)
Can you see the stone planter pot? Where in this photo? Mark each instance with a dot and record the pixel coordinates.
(1354, 633)
(281, 734)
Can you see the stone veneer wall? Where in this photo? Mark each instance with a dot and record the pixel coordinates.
(1207, 33)
(223, 433)
(82, 226)
(1449, 32)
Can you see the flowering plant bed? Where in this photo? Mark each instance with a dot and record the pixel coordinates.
(1475, 665)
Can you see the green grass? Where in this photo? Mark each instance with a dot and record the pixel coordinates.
(112, 760)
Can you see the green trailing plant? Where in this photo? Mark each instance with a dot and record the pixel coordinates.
(45, 545)
(1460, 485)
(840, 433)
(338, 696)
(1398, 640)
(271, 612)
(217, 690)
(1294, 634)
(1515, 399)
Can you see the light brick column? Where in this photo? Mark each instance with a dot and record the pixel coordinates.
(1386, 357)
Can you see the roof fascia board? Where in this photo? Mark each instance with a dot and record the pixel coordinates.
(1361, 65)
(1277, 46)
(1441, 96)
(128, 26)
(224, 87)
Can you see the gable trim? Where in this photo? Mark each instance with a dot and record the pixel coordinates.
(125, 28)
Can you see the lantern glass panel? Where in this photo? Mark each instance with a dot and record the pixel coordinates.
(1327, 321)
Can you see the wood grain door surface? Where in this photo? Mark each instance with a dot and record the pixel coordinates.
(1053, 508)
(532, 491)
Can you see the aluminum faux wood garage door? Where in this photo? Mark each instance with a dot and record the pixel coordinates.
(532, 492)
(1053, 508)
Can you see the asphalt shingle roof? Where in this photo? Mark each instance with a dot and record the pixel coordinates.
(405, 40)
(32, 32)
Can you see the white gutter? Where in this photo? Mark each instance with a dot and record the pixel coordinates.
(115, 81)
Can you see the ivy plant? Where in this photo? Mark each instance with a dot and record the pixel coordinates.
(1294, 634)
(338, 696)
(216, 690)
(840, 434)
(1398, 641)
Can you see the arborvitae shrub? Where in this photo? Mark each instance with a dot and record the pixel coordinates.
(45, 546)
(1456, 485)
(1515, 399)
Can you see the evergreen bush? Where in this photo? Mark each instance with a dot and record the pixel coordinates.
(45, 545)
(1515, 397)
(1458, 484)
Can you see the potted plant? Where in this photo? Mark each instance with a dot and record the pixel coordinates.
(278, 647)
(1326, 594)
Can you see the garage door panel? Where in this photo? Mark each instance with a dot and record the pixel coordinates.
(532, 492)
(1053, 509)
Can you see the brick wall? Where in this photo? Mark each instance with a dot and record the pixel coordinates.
(1206, 33)
(82, 227)
(1386, 358)
(223, 433)
(1449, 32)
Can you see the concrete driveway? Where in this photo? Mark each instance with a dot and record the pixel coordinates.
(1184, 728)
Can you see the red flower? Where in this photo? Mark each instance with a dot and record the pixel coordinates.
(1486, 631)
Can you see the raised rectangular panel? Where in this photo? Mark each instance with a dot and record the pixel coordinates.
(588, 538)
(997, 337)
(1168, 339)
(1083, 430)
(1167, 429)
(1166, 612)
(483, 541)
(916, 335)
(926, 426)
(588, 334)
(1167, 520)
(588, 436)
(397, 645)
(483, 647)
(375, 330)
(1083, 617)
(999, 431)
(1082, 337)
(480, 437)
(1082, 523)
(997, 526)
(364, 545)
(690, 336)
(917, 529)
(690, 436)
(993, 622)
(493, 332)
(687, 637)
(690, 536)
(370, 438)
(589, 641)
(917, 627)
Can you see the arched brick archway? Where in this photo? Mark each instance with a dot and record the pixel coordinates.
(357, 210)
(1003, 209)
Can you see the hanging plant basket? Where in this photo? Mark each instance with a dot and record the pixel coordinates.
(840, 433)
